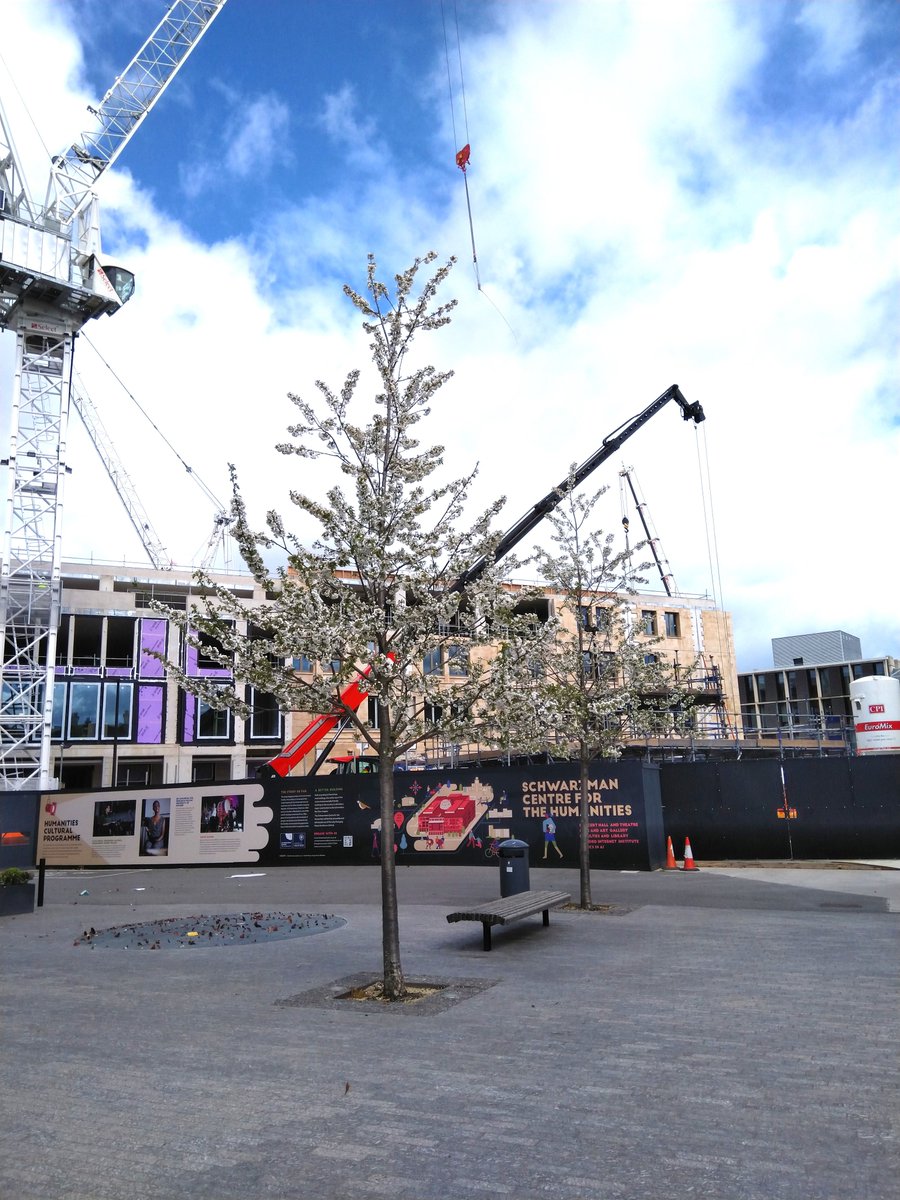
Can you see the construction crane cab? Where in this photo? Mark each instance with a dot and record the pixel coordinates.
(352, 764)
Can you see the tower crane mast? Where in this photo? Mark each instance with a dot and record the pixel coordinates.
(52, 282)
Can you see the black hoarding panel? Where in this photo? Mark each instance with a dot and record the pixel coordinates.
(463, 816)
(804, 808)
(845, 808)
(728, 810)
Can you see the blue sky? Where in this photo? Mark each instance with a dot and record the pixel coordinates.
(691, 191)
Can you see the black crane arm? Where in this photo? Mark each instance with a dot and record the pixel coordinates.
(534, 516)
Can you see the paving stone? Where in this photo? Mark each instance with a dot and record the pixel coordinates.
(734, 1041)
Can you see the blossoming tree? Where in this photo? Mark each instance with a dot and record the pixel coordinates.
(373, 592)
(600, 680)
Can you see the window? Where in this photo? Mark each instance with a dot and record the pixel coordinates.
(648, 622)
(120, 641)
(147, 773)
(671, 620)
(209, 645)
(265, 717)
(650, 659)
(373, 715)
(62, 641)
(212, 722)
(84, 705)
(303, 664)
(210, 770)
(584, 616)
(86, 641)
(59, 708)
(458, 660)
(431, 663)
(117, 698)
(603, 618)
(432, 713)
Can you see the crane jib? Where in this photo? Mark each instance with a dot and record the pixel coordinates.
(512, 537)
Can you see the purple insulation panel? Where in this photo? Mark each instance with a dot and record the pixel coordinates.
(190, 705)
(150, 714)
(153, 637)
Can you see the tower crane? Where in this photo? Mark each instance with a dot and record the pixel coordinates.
(120, 479)
(53, 280)
(662, 563)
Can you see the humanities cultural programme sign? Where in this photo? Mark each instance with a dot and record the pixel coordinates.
(452, 816)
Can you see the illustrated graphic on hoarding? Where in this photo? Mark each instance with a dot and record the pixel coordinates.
(449, 816)
(548, 827)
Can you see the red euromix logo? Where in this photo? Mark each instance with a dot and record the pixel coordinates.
(875, 726)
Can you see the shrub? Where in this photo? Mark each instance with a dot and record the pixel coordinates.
(13, 876)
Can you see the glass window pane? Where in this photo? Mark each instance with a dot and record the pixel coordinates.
(59, 705)
(265, 718)
(117, 702)
(212, 722)
(458, 659)
(431, 664)
(84, 705)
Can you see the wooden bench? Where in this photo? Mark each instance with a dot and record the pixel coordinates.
(509, 909)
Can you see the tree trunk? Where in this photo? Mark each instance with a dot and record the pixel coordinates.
(584, 828)
(394, 987)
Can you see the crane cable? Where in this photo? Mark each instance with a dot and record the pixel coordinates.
(709, 518)
(210, 495)
(462, 156)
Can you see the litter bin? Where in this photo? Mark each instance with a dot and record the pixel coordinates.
(513, 867)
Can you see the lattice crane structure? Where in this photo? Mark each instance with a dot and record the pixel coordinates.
(53, 280)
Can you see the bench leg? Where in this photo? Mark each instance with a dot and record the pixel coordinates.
(486, 928)
(546, 915)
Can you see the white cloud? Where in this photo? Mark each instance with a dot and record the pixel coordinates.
(644, 214)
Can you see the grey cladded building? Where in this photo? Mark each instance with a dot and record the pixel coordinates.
(806, 693)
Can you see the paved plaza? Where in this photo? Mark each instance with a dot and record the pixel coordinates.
(729, 1034)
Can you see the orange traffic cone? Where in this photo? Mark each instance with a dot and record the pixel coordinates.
(689, 864)
(671, 864)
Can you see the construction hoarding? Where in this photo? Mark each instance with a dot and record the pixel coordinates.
(448, 816)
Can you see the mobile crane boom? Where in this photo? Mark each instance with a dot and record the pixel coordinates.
(353, 696)
(609, 446)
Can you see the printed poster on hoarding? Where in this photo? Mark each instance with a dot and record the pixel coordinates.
(210, 823)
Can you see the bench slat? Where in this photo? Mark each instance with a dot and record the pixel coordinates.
(511, 908)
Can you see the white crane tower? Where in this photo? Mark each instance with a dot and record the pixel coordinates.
(53, 280)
